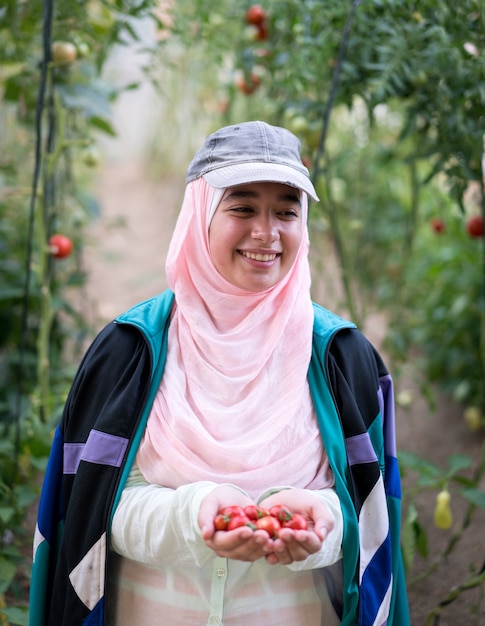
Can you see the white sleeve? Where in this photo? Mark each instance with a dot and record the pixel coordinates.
(331, 550)
(156, 525)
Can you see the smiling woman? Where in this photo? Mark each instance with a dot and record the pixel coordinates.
(229, 391)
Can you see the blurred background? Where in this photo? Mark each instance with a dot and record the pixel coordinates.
(103, 103)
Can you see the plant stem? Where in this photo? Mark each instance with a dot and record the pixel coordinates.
(482, 303)
(474, 581)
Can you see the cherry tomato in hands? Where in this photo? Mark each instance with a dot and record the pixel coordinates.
(254, 512)
(221, 522)
(237, 521)
(296, 522)
(232, 511)
(281, 512)
(270, 524)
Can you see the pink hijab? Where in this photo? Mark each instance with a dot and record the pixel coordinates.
(234, 404)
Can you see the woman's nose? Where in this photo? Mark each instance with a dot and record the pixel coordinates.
(265, 229)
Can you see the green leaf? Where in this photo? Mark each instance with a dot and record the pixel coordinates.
(16, 615)
(475, 496)
(103, 124)
(6, 513)
(412, 461)
(7, 573)
(458, 462)
(409, 537)
(85, 98)
(421, 540)
(24, 495)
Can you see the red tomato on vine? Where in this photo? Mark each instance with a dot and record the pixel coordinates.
(60, 246)
(255, 15)
(474, 226)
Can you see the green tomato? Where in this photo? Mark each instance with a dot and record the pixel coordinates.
(63, 52)
(90, 156)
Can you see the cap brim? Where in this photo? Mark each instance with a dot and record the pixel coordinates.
(241, 173)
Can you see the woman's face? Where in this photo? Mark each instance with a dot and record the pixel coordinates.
(255, 234)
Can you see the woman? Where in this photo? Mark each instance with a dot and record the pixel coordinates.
(231, 388)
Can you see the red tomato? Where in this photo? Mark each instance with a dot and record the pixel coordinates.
(60, 246)
(221, 522)
(231, 511)
(437, 224)
(248, 86)
(297, 522)
(238, 521)
(474, 226)
(253, 511)
(307, 162)
(281, 512)
(270, 524)
(255, 15)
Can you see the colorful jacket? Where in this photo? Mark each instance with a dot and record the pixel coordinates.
(101, 428)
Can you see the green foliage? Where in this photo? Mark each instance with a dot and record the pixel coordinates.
(444, 275)
(55, 102)
(428, 57)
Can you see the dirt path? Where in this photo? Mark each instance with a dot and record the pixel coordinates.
(126, 264)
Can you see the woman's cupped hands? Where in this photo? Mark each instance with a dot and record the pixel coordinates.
(247, 542)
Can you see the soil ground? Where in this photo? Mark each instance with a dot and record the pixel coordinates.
(126, 258)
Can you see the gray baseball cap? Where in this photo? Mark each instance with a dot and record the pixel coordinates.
(251, 152)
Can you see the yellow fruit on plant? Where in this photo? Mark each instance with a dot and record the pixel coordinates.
(473, 417)
(443, 517)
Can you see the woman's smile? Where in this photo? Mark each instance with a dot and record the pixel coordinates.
(263, 257)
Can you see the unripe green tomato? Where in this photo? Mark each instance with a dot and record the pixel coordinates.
(63, 52)
(298, 125)
(83, 50)
(90, 156)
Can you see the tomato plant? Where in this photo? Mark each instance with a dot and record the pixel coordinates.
(55, 98)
